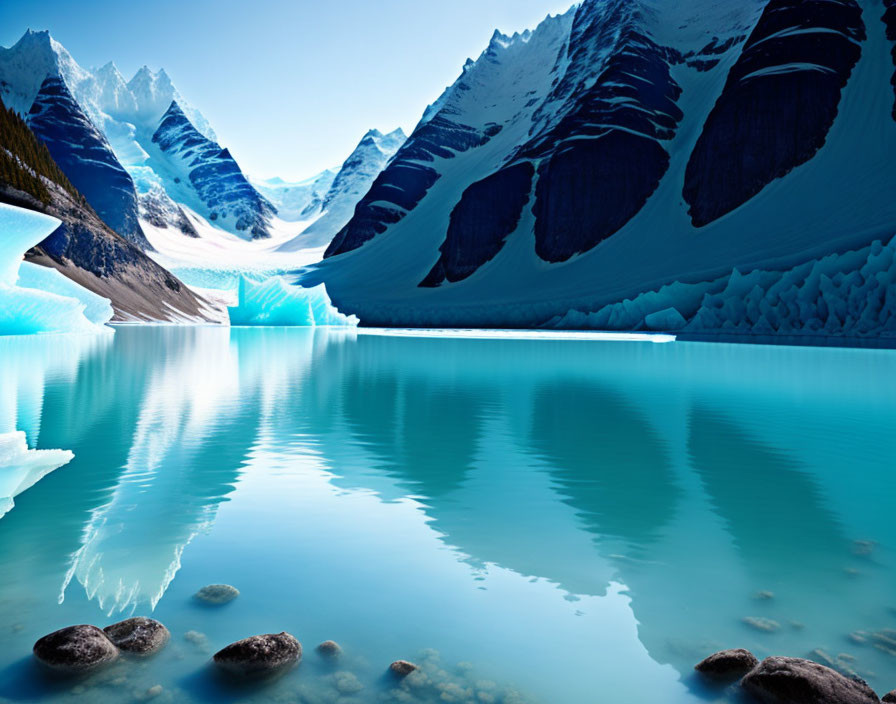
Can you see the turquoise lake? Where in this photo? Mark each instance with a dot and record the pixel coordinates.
(544, 521)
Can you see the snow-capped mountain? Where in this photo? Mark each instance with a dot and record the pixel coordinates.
(86, 158)
(153, 94)
(129, 114)
(213, 174)
(300, 200)
(630, 149)
(352, 182)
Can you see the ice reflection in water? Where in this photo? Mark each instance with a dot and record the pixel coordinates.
(608, 511)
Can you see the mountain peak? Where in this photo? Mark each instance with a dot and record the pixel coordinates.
(34, 37)
(174, 110)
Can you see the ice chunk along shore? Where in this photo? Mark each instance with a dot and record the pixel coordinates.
(276, 302)
(21, 468)
(38, 300)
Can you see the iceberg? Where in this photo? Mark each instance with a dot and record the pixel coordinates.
(21, 468)
(35, 299)
(276, 302)
(97, 310)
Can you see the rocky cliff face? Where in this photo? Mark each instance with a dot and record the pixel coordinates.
(212, 172)
(85, 156)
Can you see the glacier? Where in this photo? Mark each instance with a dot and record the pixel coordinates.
(851, 294)
(38, 300)
(21, 468)
(276, 302)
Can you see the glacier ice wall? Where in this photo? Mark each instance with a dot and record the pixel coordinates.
(38, 300)
(21, 468)
(276, 302)
(850, 294)
(97, 309)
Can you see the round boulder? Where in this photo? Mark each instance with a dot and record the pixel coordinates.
(727, 665)
(142, 636)
(217, 594)
(781, 680)
(889, 698)
(402, 668)
(75, 649)
(260, 655)
(330, 648)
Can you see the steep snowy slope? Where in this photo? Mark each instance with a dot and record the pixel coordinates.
(80, 246)
(626, 146)
(86, 158)
(217, 180)
(350, 185)
(153, 93)
(299, 201)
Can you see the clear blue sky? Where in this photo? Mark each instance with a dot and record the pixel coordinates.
(289, 85)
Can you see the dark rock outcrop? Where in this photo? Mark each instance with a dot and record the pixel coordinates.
(778, 104)
(889, 19)
(85, 156)
(889, 698)
(157, 208)
(604, 159)
(260, 655)
(141, 636)
(487, 213)
(75, 649)
(780, 680)
(727, 664)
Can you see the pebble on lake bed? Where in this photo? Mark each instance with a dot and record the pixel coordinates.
(141, 636)
(402, 668)
(217, 594)
(766, 625)
(764, 595)
(330, 648)
(346, 683)
(260, 655)
(76, 649)
(863, 547)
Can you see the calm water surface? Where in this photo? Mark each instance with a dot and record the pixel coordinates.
(535, 521)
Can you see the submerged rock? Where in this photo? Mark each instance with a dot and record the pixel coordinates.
(402, 668)
(346, 683)
(76, 649)
(200, 640)
(260, 655)
(780, 680)
(143, 636)
(330, 648)
(727, 664)
(217, 594)
(759, 623)
(863, 548)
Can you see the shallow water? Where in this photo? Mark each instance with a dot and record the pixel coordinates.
(572, 521)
